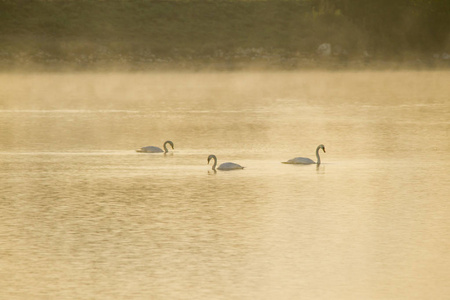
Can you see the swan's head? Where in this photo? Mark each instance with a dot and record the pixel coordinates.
(170, 143)
(321, 147)
(212, 156)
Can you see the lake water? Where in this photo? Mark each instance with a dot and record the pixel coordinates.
(83, 216)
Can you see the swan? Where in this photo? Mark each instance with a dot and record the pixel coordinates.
(225, 166)
(305, 160)
(152, 149)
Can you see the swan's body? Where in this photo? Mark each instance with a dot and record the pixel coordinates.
(225, 166)
(305, 160)
(153, 149)
(300, 160)
(229, 166)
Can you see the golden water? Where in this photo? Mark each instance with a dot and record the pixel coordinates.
(83, 216)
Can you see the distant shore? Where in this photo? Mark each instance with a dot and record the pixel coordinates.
(42, 61)
(212, 35)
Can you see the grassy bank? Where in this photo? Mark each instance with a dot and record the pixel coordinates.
(141, 34)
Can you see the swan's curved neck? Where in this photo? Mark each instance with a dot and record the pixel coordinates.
(317, 155)
(215, 162)
(165, 147)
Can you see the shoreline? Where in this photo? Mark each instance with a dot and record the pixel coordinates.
(295, 63)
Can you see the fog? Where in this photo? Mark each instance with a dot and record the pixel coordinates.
(137, 90)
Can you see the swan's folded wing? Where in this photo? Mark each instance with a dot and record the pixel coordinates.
(150, 149)
(230, 166)
(299, 160)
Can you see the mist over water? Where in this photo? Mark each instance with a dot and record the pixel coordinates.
(85, 216)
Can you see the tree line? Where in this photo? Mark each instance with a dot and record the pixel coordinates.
(395, 25)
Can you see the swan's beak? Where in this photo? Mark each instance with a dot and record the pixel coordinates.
(324, 150)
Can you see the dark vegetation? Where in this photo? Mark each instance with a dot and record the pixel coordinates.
(230, 34)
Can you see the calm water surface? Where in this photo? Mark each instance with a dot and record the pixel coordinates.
(83, 216)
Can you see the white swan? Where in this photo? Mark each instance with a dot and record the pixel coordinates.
(152, 149)
(305, 160)
(225, 166)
